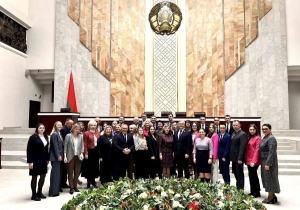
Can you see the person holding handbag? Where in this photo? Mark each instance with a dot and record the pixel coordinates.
(73, 155)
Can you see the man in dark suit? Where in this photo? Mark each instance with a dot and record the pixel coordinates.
(153, 121)
(123, 146)
(66, 129)
(144, 118)
(182, 149)
(239, 141)
(229, 126)
(223, 153)
(217, 124)
(203, 125)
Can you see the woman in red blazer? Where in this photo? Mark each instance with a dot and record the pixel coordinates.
(91, 168)
(253, 160)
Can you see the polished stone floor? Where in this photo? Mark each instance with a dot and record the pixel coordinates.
(15, 192)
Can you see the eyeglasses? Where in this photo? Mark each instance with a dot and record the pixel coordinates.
(211, 127)
(202, 119)
(265, 129)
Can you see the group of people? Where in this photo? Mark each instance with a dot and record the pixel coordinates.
(149, 149)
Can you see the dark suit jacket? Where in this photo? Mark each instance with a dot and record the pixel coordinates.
(224, 146)
(56, 147)
(37, 153)
(206, 128)
(231, 129)
(104, 147)
(64, 131)
(153, 148)
(239, 141)
(182, 146)
(119, 144)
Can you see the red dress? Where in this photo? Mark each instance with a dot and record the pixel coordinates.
(166, 148)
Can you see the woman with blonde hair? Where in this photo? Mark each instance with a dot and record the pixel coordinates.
(91, 169)
(146, 127)
(56, 156)
(166, 142)
(142, 156)
(73, 153)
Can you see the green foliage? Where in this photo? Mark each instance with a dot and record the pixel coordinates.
(156, 194)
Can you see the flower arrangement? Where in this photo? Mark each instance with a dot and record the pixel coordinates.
(166, 194)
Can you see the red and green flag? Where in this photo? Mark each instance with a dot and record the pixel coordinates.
(71, 102)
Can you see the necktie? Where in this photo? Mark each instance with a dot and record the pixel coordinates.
(180, 133)
(221, 137)
(125, 137)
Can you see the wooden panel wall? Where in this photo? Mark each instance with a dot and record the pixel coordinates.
(101, 36)
(251, 20)
(264, 7)
(85, 21)
(234, 30)
(128, 57)
(205, 72)
(73, 10)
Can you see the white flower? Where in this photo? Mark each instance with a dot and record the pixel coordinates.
(102, 207)
(163, 194)
(78, 208)
(157, 178)
(128, 191)
(197, 196)
(123, 196)
(146, 207)
(252, 208)
(220, 193)
(221, 204)
(111, 187)
(158, 188)
(143, 195)
(176, 204)
(170, 191)
(177, 195)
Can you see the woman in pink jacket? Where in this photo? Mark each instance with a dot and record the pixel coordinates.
(215, 142)
(252, 159)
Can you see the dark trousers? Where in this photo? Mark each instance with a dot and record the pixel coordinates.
(254, 181)
(55, 177)
(130, 167)
(183, 165)
(238, 171)
(155, 168)
(64, 173)
(120, 166)
(141, 164)
(224, 169)
(105, 171)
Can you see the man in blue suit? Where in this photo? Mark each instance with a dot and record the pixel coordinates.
(223, 153)
(123, 146)
(182, 149)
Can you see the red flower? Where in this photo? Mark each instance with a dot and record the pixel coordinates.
(216, 201)
(228, 197)
(151, 193)
(194, 205)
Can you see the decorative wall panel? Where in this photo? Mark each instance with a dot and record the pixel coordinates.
(234, 30)
(251, 20)
(264, 7)
(205, 70)
(101, 36)
(128, 57)
(165, 72)
(85, 21)
(73, 10)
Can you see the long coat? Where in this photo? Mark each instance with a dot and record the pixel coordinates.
(268, 154)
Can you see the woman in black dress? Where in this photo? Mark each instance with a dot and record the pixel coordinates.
(166, 150)
(38, 159)
(155, 165)
(104, 146)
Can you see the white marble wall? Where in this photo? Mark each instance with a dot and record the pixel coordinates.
(260, 86)
(91, 88)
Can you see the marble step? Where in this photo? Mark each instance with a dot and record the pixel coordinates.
(7, 155)
(288, 133)
(289, 147)
(14, 165)
(14, 144)
(288, 152)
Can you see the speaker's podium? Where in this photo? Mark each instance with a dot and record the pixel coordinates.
(199, 114)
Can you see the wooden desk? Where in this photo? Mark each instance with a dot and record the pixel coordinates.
(49, 118)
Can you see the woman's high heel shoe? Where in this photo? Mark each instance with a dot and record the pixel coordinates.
(272, 201)
(275, 199)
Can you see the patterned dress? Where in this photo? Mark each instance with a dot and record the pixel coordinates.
(166, 148)
(268, 154)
